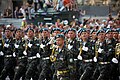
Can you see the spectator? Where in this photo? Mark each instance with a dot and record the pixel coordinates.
(35, 4)
(16, 12)
(47, 4)
(22, 10)
(7, 13)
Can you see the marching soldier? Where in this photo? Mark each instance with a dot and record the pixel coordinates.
(86, 55)
(9, 59)
(1, 52)
(102, 57)
(73, 45)
(111, 43)
(45, 64)
(61, 58)
(21, 58)
(32, 52)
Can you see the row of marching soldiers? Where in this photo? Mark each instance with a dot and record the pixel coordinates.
(69, 55)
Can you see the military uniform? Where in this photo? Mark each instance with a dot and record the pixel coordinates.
(32, 52)
(9, 59)
(73, 45)
(111, 43)
(102, 58)
(86, 55)
(61, 58)
(1, 55)
(21, 59)
(45, 64)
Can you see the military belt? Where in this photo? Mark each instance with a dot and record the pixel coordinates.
(104, 62)
(62, 72)
(89, 60)
(8, 55)
(33, 57)
(21, 57)
(46, 58)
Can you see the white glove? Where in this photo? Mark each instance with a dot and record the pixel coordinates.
(30, 45)
(1, 53)
(114, 60)
(79, 57)
(95, 59)
(16, 46)
(14, 54)
(85, 48)
(69, 46)
(25, 53)
(100, 50)
(38, 55)
(42, 46)
(6, 45)
(71, 60)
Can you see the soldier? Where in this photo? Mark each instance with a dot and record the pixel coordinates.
(86, 55)
(45, 52)
(102, 57)
(111, 43)
(115, 34)
(32, 52)
(73, 45)
(21, 58)
(1, 52)
(9, 59)
(61, 58)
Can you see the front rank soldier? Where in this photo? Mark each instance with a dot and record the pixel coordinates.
(86, 55)
(1, 52)
(102, 57)
(45, 64)
(73, 45)
(32, 52)
(61, 58)
(111, 43)
(21, 58)
(9, 59)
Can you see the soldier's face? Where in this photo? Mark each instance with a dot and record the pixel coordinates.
(18, 33)
(30, 33)
(84, 35)
(44, 34)
(101, 36)
(109, 35)
(56, 33)
(59, 41)
(8, 33)
(94, 35)
(115, 34)
(71, 34)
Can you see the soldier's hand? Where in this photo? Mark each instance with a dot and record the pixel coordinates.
(25, 53)
(79, 57)
(1, 53)
(38, 55)
(14, 54)
(95, 59)
(114, 60)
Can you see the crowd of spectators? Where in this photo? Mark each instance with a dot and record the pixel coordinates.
(89, 24)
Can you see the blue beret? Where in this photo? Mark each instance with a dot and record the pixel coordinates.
(43, 29)
(30, 29)
(56, 29)
(93, 31)
(79, 31)
(109, 30)
(72, 29)
(60, 36)
(100, 31)
(83, 30)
